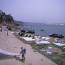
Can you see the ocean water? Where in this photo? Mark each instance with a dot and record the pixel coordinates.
(48, 29)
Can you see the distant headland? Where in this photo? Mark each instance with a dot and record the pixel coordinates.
(7, 19)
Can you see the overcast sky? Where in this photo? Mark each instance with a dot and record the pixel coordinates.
(46, 11)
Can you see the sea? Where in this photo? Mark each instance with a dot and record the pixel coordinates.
(48, 29)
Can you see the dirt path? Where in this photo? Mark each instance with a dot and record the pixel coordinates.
(12, 44)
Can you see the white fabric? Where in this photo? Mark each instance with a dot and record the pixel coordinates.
(48, 52)
(12, 32)
(50, 47)
(3, 52)
(46, 38)
(42, 42)
(59, 44)
(37, 38)
(27, 38)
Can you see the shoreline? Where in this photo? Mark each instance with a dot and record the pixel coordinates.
(48, 29)
(44, 53)
(12, 44)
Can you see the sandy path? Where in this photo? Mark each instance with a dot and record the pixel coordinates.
(12, 44)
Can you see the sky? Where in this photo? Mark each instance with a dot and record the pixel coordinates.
(44, 11)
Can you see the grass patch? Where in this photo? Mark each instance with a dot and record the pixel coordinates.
(55, 56)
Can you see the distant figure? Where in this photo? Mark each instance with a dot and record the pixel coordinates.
(7, 32)
(1, 28)
(23, 52)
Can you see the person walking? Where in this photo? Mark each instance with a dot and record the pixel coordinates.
(1, 28)
(23, 52)
(7, 31)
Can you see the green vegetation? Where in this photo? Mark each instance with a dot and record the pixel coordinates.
(5, 19)
(8, 19)
(55, 56)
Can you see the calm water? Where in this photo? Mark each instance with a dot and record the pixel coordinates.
(48, 29)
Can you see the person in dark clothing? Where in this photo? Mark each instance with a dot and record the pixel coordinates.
(23, 52)
(7, 31)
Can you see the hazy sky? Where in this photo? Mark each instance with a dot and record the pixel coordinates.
(46, 11)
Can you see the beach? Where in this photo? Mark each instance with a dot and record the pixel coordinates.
(11, 44)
